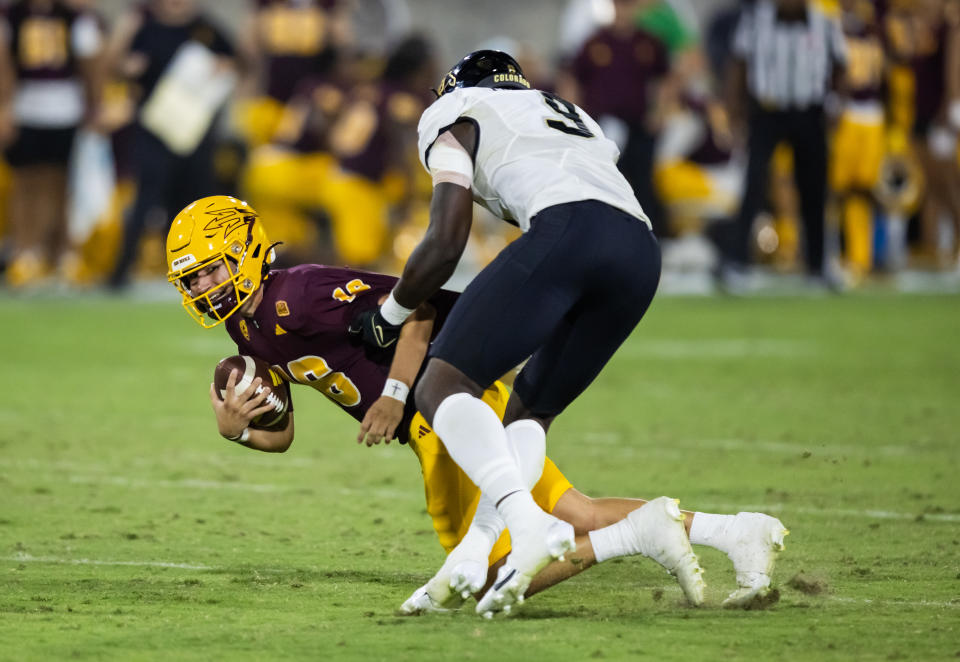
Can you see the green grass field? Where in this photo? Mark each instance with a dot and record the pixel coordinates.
(129, 530)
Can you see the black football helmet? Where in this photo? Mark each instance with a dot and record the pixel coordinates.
(484, 69)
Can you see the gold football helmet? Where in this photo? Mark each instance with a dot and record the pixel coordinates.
(205, 232)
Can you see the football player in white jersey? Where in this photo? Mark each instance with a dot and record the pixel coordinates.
(566, 294)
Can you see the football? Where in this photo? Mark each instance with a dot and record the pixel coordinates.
(249, 368)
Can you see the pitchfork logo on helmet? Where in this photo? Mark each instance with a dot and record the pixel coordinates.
(484, 69)
(208, 231)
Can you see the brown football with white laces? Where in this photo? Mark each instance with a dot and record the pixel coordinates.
(249, 368)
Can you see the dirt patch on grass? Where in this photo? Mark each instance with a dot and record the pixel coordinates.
(808, 584)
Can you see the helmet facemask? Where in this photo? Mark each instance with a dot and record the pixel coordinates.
(217, 303)
(211, 232)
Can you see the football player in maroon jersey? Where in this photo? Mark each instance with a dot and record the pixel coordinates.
(298, 320)
(49, 87)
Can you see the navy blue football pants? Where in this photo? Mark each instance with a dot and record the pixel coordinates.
(566, 294)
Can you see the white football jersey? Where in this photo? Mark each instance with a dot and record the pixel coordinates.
(534, 150)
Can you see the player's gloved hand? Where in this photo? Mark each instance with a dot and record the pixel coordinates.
(374, 329)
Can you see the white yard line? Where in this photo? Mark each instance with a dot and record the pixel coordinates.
(382, 493)
(719, 348)
(817, 448)
(27, 558)
(185, 483)
(229, 456)
(894, 603)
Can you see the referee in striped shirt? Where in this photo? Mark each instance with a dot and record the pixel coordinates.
(787, 56)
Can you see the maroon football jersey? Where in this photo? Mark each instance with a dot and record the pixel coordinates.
(294, 36)
(929, 69)
(397, 109)
(363, 125)
(300, 327)
(708, 150)
(40, 40)
(615, 73)
(865, 56)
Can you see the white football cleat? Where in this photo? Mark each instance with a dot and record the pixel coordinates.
(468, 577)
(757, 539)
(463, 573)
(555, 538)
(506, 591)
(421, 603)
(661, 536)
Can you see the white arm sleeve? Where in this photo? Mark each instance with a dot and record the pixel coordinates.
(449, 162)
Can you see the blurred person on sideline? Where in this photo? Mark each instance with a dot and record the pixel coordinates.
(579, 20)
(49, 86)
(675, 24)
(346, 149)
(622, 76)
(788, 55)
(181, 66)
(934, 34)
(718, 38)
(857, 144)
(287, 42)
(901, 186)
(298, 320)
(672, 21)
(696, 174)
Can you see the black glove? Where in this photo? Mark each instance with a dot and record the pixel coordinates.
(374, 330)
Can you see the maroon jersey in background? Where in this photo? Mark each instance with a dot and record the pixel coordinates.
(362, 125)
(929, 67)
(295, 40)
(614, 73)
(711, 149)
(396, 109)
(40, 40)
(865, 56)
(301, 325)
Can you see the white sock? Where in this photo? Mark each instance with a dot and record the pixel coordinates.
(614, 541)
(475, 439)
(528, 444)
(710, 530)
(486, 527)
(520, 512)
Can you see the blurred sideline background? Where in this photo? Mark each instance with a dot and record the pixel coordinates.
(117, 114)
